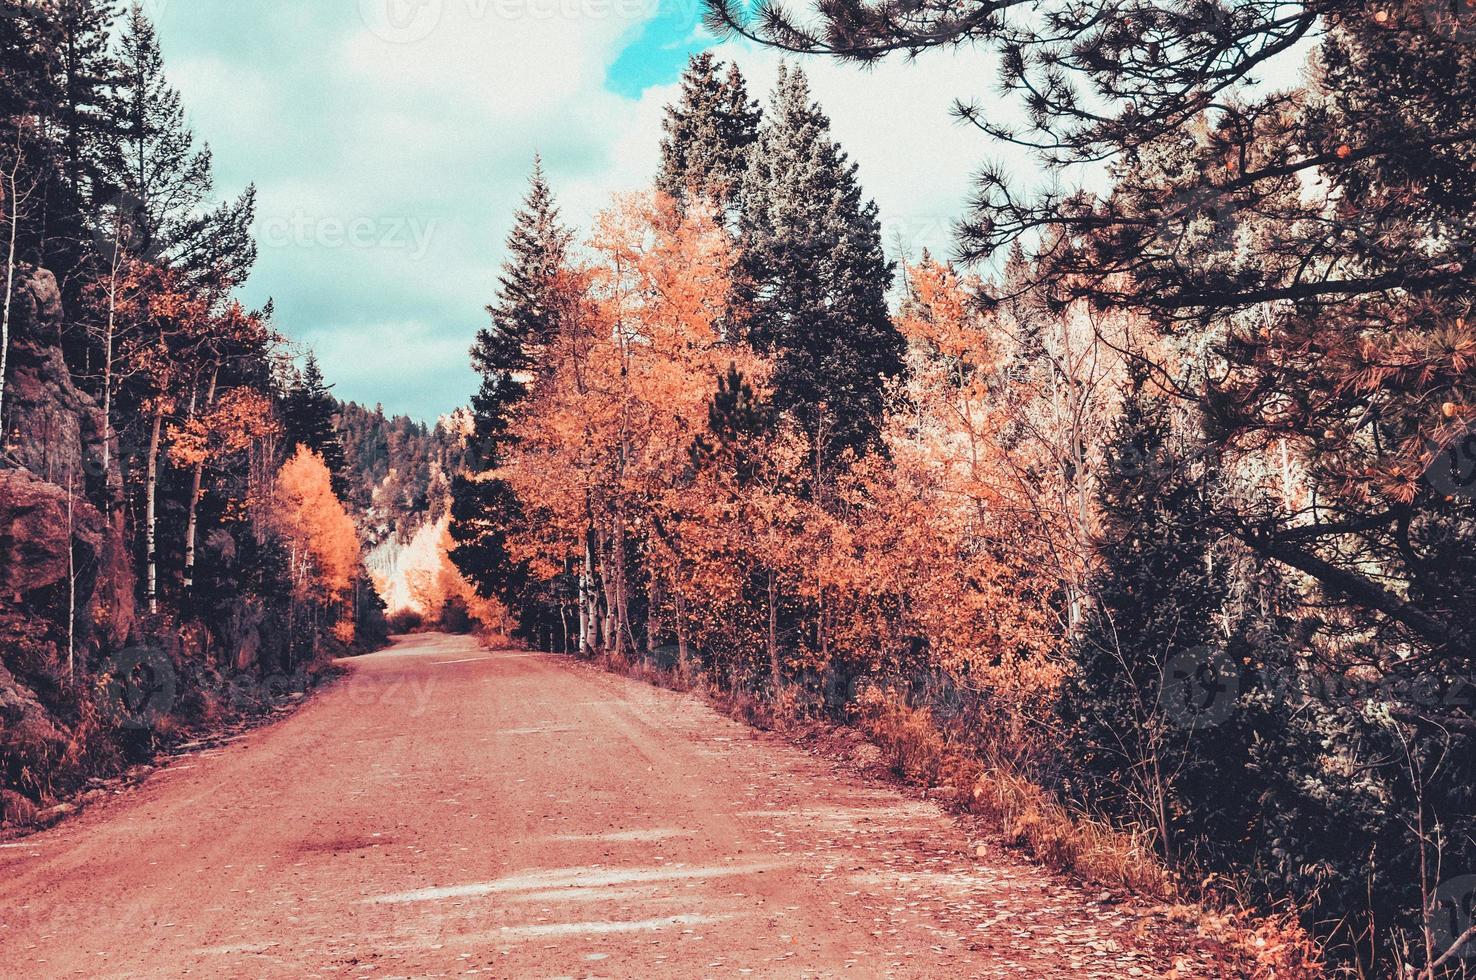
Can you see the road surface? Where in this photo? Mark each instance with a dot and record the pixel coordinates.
(447, 811)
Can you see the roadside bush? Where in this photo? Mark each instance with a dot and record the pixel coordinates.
(406, 621)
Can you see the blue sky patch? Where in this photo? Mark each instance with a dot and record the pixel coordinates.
(660, 49)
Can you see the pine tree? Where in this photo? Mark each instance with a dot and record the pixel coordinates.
(56, 68)
(157, 181)
(156, 173)
(524, 316)
(311, 420)
(1157, 677)
(708, 134)
(71, 39)
(85, 67)
(524, 319)
(1325, 235)
(23, 81)
(737, 419)
(818, 280)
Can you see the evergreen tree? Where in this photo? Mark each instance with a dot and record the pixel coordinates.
(1324, 237)
(85, 68)
(816, 276)
(56, 67)
(736, 420)
(311, 419)
(155, 171)
(158, 182)
(71, 40)
(1162, 709)
(23, 81)
(525, 316)
(708, 134)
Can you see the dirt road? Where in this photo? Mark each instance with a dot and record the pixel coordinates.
(448, 811)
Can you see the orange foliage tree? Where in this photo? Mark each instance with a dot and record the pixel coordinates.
(623, 392)
(169, 325)
(223, 418)
(687, 510)
(434, 586)
(951, 545)
(319, 536)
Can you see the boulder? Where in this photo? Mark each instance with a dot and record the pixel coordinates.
(56, 814)
(113, 608)
(27, 730)
(36, 552)
(35, 562)
(36, 316)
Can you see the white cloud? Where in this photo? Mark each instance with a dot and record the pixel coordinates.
(441, 131)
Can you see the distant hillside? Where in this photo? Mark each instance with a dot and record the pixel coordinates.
(398, 469)
(399, 474)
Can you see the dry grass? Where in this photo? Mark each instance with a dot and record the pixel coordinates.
(496, 639)
(1025, 815)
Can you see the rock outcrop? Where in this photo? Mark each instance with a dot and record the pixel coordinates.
(52, 428)
(64, 569)
(28, 733)
(37, 554)
(55, 437)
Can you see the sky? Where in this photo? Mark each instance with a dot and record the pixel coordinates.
(390, 142)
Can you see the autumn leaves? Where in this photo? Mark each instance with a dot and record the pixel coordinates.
(685, 512)
(320, 537)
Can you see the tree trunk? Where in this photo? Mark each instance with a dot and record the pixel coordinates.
(291, 604)
(681, 631)
(192, 522)
(611, 638)
(653, 615)
(71, 585)
(622, 596)
(588, 602)
(823, 622)
(150, 529)
(583, 611)
(107, 405)
(9, 287)
(774, 671)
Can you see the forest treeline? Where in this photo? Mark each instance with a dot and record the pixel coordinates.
(398, 470)
(399, 473)
(175, 545)
(1155, 516)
